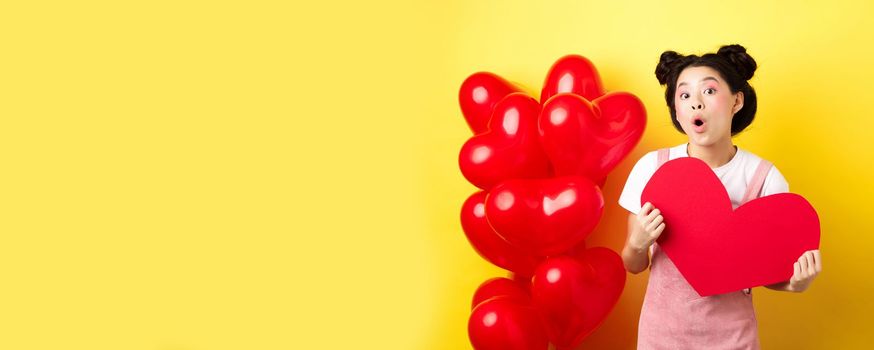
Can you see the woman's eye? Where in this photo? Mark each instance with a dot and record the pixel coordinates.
(710, 91)
(684, 96)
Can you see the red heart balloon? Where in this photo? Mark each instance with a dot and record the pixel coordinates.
(572, 74)
(590, 139)
(718, 249)
(500, 286)
(503, 323)
(575, 295)
(545, 216)
(488, 243)
(510, 149)
(479, 94)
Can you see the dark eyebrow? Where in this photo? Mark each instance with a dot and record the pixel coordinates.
(707, 78)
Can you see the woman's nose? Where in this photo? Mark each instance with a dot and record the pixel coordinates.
(697, 106)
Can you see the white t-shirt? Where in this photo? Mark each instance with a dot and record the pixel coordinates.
(735, 175)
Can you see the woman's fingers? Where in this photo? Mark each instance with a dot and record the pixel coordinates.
(653, 214)
(797, 268)
(654, 223)
(647, 220)
(645, 216)
(659, 229)
(644, 210)
(805, 265)
(651, 222)
(817, 260)
(811, 263)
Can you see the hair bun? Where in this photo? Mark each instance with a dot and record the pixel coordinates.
(667, 61)
(742, 62)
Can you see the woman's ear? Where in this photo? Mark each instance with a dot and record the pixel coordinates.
(738, 102)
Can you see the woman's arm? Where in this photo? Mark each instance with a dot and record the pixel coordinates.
(808, 266)
(635, 259)
(643, 230)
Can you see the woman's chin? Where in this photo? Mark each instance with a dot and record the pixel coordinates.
(701, 140)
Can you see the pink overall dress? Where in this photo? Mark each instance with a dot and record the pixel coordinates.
(675, 317)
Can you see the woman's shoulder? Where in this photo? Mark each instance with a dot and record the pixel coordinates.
(647, 164)
(751, 161)
(749, 156)
(775, 182)
(643, 162)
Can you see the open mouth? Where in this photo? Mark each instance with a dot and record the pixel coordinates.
(698, 124)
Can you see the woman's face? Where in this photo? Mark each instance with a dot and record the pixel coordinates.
(705, 105)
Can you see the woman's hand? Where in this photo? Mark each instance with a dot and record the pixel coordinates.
(808, 266)
(649, 227)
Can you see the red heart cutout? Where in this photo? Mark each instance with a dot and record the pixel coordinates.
(488, 243)
(479, 94)
(572, 74)
(590, 139)
(545, 216)
(510, 149)
(575, 294)
(720, 250)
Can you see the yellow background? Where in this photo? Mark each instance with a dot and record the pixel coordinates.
(277, 175)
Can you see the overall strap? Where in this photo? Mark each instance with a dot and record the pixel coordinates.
(664, 155)
(755, 185)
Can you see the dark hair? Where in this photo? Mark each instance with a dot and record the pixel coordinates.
(734, 65)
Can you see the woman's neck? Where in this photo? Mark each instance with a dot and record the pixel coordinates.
(715, 155)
